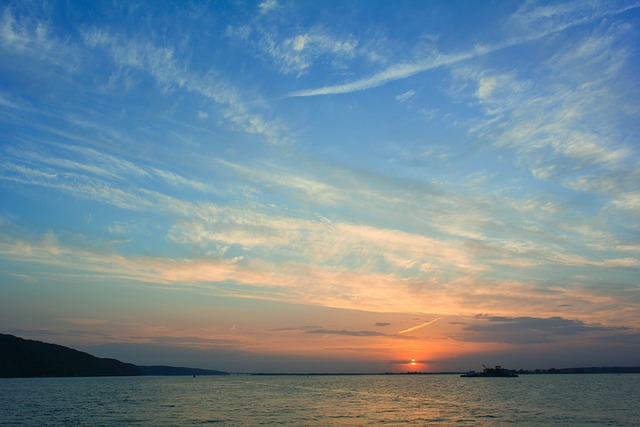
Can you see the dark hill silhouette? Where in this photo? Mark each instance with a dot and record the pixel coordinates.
(172, 370)
(27, 358)
(20, 357)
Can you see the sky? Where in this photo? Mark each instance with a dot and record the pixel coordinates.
(329, 186)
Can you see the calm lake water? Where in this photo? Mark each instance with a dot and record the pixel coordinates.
(395, 400)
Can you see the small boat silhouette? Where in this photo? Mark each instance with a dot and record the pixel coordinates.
(498, 371)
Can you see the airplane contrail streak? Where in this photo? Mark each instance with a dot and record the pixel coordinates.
(422, 325)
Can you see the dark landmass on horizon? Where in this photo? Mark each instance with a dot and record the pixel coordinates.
(27, 358)
(22, 358)
(162, 370)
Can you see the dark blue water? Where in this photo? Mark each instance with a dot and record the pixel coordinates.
(398, 400)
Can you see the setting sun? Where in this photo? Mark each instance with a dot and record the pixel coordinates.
(413, 362)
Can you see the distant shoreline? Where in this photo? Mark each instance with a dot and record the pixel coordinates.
(551, 371)
(21, 358)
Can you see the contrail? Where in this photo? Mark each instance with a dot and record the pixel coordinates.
(405, 70)
(422, 325)
(394, 73)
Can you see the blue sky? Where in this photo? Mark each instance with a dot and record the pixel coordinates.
(323, 186)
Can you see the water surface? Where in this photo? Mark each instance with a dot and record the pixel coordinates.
(358, 400)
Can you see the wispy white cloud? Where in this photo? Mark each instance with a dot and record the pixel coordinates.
(25, 278)
(10, 102)
(80, 159)
(295, 184)
(318, 285)
(298, 53)
(300, 49)
(548, 18)
(516, 262)
(565, 126)
(161, 63)
(269, 233)
(89, 173)
(404, 97)
(268, 5)
(30, 35)
(620, 185)
(579, 14)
